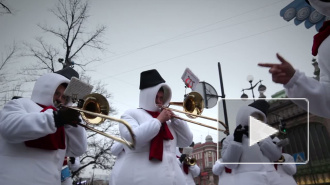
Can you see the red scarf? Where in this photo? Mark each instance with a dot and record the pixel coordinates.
(324, 32)
(65, 162)
(185, 167)
(51, 141)
(156, 145)
(227, 170)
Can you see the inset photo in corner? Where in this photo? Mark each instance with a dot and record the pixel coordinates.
(269, 131)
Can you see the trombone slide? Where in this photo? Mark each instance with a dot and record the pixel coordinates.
(212, 119)
(201, 124)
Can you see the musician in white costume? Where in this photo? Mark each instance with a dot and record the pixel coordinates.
(73, 164)
(153, 161)
(224, 173)
(117, 149)
(285, 170)
(296, 83)
(236, 150)
(189, 171)
(35, 136)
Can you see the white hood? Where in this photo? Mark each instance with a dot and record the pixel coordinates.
(148, 97)
(276, 140)
(45, 87)
(322, 7)
(244, 113)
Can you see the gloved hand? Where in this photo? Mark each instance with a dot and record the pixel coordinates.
(182, 157)
(246, 130)
(66, 116)
(238, 133)
(72, 160)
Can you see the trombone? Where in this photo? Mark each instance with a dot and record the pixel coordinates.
(193, 106)
(95, 110)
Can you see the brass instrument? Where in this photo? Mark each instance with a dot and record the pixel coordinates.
(193, 106)
(190, 161)
(281, 160)
(95, 110)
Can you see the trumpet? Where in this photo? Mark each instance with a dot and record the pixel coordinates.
(95, 110)
(190, 161)
(281, 160)
(193, 106)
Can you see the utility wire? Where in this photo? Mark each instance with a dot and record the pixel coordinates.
(195, 51)
(182, 35)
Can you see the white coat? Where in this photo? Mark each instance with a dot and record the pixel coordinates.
(21, 120)
(224, 177)
(317, 92)
(117, 149)
(137, 169)
(263, 152)
(286, 171)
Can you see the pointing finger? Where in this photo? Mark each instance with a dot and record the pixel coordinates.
(280, 58)
(267, 65)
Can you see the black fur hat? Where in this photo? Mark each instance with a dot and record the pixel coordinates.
(68, 72)
(150, 78)
(261, 105)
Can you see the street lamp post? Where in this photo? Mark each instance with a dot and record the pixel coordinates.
(261, 88)
(223, 96)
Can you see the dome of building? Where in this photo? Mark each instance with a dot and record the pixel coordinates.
(208, 138)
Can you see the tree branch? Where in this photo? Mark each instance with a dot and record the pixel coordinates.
(5, 7)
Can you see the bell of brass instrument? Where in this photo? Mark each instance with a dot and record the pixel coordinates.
(193, 106)
(95, 110)
(95, 103)
(281, 160)
(190, 161)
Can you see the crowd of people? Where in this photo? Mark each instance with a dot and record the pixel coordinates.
(160, 139)
(41, 142)
(41, 137)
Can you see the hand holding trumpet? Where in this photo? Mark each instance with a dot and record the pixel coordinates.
(165, 115)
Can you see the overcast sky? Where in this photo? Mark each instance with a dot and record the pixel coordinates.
(173, 35)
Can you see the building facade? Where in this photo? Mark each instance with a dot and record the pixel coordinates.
(206, 155)
(309, 139)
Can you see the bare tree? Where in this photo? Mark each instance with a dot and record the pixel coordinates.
(98, 155)
(4, 9)
(72, 15)
(8, 57)
(10, 84)
(74, 39)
